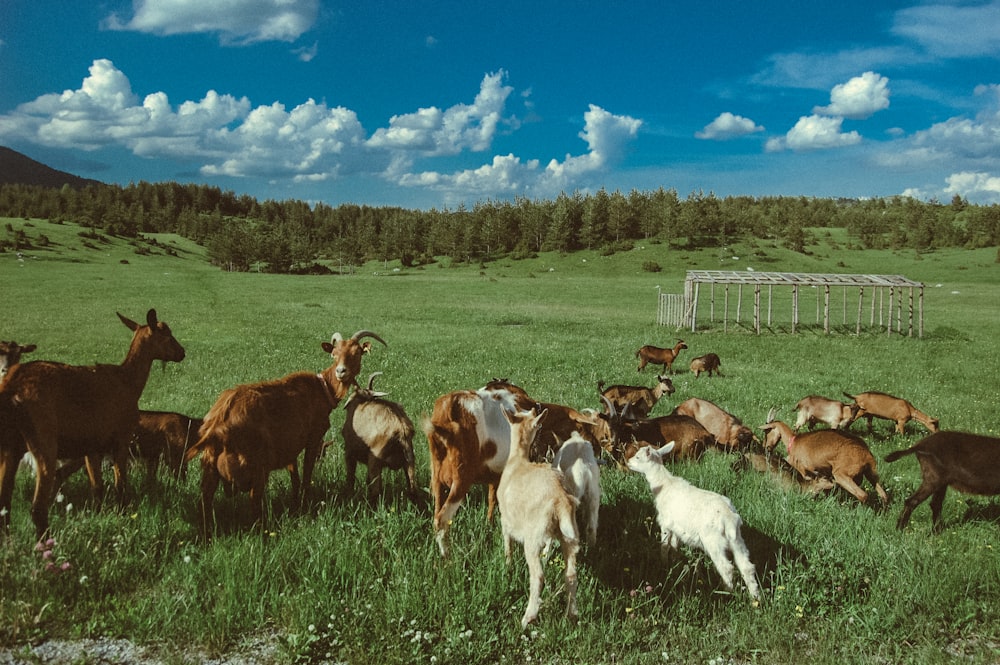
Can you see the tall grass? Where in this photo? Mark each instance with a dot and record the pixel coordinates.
(347, 582)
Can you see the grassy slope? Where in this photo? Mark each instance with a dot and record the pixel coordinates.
(842, 583)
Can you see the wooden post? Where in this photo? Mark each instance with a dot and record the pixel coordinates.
(795, 306)
(861, 300)
(756, 308)
(694, 306)
(909, 328)
(921, 304)
(888, 327)
(725, 315)
(826, 309)
(739, 303)
(770, 290)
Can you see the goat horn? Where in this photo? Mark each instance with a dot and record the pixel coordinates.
(611, 407)
(367, 333)
(371, 379)
(336, 338)
(772, 413)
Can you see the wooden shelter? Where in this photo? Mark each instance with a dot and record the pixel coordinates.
(885, 297)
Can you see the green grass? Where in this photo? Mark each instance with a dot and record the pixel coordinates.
(366, 585)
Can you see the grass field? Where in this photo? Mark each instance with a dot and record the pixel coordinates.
(350, 583)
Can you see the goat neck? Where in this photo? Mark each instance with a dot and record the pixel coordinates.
(335, 389)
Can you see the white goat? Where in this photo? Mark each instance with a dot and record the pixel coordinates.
(535, 509)
(696, 517)
(582, 479)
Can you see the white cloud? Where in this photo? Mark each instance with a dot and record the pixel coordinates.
(236, 21)
(728, 126)
(974, 185)
(952, 31)
(307, 53)
(858, 98)
(814, 132)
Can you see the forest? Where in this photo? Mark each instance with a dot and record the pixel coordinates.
(293, 236)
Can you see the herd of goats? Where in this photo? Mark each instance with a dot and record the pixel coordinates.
(539, 460)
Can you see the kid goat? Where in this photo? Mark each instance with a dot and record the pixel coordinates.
(696, 517)
(534, 510)
(57, 411)
(582, 479)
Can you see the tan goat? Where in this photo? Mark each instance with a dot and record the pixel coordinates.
(816, 409)
(707, 363)
(728, 430)
(57, 411)
(834, 454)
(254, 429)
(535, 509)
(880, 405)
(639, 400)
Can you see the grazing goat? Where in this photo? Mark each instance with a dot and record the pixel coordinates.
(970, 463)
(835, 454)
(10, 355)
(57, 411)
(167, 435)
(691, 439)
(638, 399)
(880, 405)
(657, 356)
(816, 409)
(535, 509)
(254, 429)
(778, 468)
(582, 479)
(695, 517)
(728, 430)
(378, 434)
(707, 363)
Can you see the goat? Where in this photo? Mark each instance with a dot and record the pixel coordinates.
(691, 439)
(835, 454)
(880, 405)
(658, 356)
(165, 434)
(57, 411)
(778, 468)
(582, 479)
(816, 409)
(253, 429)
(707, 363)
(695, 517)
(970, 463)
(728, 430)
(378, 433)
(639, 400)
(534, 510)
(10, 355)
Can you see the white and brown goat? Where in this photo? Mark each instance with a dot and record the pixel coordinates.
(655, 355)
(57, 411)
(535, 509)
(378, 434)
(254, 429)
(10, 355)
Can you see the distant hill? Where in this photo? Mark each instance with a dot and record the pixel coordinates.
(16, 168)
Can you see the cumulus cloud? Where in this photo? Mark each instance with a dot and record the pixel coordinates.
(728, 126)
(858, 98)
(974, 185)
(814, 132)
(236, 21)
(952, 30)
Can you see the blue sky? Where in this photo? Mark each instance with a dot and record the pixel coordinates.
(434, 104)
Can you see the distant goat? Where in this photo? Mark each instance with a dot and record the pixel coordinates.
(969, 463)
(835, 454)
(728, 430)
(659, 356)
(695, 517)
(378, 433)
(254, 429)
(57, 411)
(816, 409)
(582, 479)
(707, 363)
(10, 355)
(880, 405)
(639, 400)
(534, 510)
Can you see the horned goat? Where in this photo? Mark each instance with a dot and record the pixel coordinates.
(534, 510)
(628, 434)
(695, 517)
(655, 355)
(638, 399)
(969, 463)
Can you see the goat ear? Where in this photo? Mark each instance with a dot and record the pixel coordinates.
(151, 318)
(327, 347)
(665, 449)
(129, 323)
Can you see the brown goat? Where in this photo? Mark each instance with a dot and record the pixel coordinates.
(777, 467)
(378, 433)
(707, 363)
(166, 435)
(880, 405)
(638, 400)
(58, 411)
(835, 454)
(728, 430)
(628, 435)
(657, 356)
(815, 409)
(970, 463)
(10, 355)
(254, 429)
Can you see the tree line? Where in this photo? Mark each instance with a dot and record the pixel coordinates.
(242, 233)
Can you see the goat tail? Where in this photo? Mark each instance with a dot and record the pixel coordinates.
(897, 454)
(566, 507)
